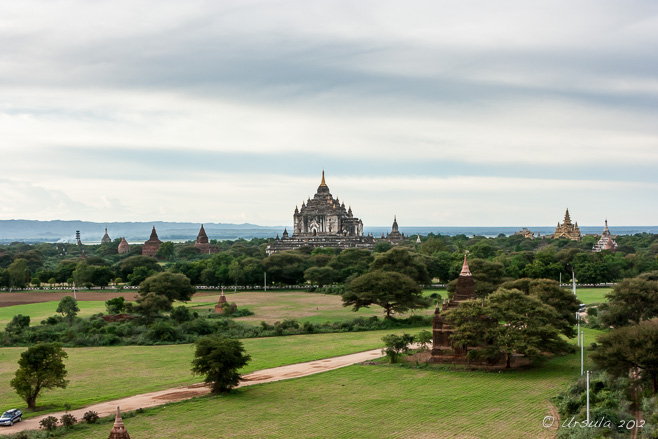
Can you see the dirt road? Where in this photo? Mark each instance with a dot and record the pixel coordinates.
(182, 393)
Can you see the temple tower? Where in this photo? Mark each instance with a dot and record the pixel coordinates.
(119, 430)
(443, 351)
(606, 242)
(106, 238)
(567, 229)
(151, 246)
(123, 248)
(203, 244)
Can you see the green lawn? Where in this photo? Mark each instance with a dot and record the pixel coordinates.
(369, 402)
(302, 306)
(592, 295)
(105, 373)
(43, 310)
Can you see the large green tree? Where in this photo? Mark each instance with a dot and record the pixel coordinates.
(219, 359)
(631, 301)
(40, 367)
(392, 291)
(173, 286)
(401, 260)
(630, 347)
(507, 322)
(19, 273)
(549, 292)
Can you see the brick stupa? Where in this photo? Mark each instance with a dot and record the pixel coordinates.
(219, 308)
(203, 244)
(151, 246)
(124, 248)
(119, 430)
(443, 350)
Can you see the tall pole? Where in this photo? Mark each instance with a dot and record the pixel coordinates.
(560, 278)
(573, 281)
(588, 397)
(265, 280)
(578, 332)
(582, 353)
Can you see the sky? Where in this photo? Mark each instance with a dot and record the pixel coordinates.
(444, 113)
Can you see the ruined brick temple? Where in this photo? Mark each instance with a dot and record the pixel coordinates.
(150, 247)
(203, 244)
(443, 350)
(323, 221)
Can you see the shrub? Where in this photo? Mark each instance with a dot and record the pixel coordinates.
(181, 314)
(91, 417)
(68, 420)
(396, 346)
(49, 423)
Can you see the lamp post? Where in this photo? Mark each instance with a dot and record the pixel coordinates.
(578, 332)
(265, 280)
(582, 353)
(588, 397)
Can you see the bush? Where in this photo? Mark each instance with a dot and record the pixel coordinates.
(49, 423)
(68, 420)
(181, 314)
(396, 346)
(91, 417)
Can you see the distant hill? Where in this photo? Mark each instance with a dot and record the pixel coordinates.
(64, 231)
(91, 233)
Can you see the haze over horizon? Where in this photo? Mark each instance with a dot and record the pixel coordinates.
(443, 113)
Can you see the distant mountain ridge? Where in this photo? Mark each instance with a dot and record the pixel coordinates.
(92, 232)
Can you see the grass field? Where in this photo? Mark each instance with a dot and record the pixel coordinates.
(592, 295)
(304, 307)
(105, 373)
(369, 402)
(41, 311)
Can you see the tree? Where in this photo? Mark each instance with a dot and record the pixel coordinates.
(17, 324)
(219, 359)
(116, 305)
(286, 267)
(19, 273)
(396, 346)
(507, 322)
(68, 307)
(151, 304)
(549, 292)
(173, 286)
(628, 347)
(402, 261)
(392, 291)
(166, 251)
(41, 367)
(630, 301)
(82, 275)
(320, 275)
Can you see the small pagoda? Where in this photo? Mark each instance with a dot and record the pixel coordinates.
(220, 308)
(106, 238)
(119, 430)
(203, 244)
(150, 247)
(123, 248)
(443, 350)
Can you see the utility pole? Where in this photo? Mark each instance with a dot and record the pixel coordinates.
(578, 332)
(588, 397)
(582, 353)
(265, 280)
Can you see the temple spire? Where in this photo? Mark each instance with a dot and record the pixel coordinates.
(119, 430)
(465, 270)
(322, 183)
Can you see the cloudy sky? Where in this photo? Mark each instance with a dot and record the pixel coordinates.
(446, 113)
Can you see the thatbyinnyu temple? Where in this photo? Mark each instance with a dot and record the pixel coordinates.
(323, 221)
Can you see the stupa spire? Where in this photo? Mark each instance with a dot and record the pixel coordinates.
(465, 270)
(119, 430)
(322, 183)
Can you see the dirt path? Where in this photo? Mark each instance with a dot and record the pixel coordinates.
(182, 393)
